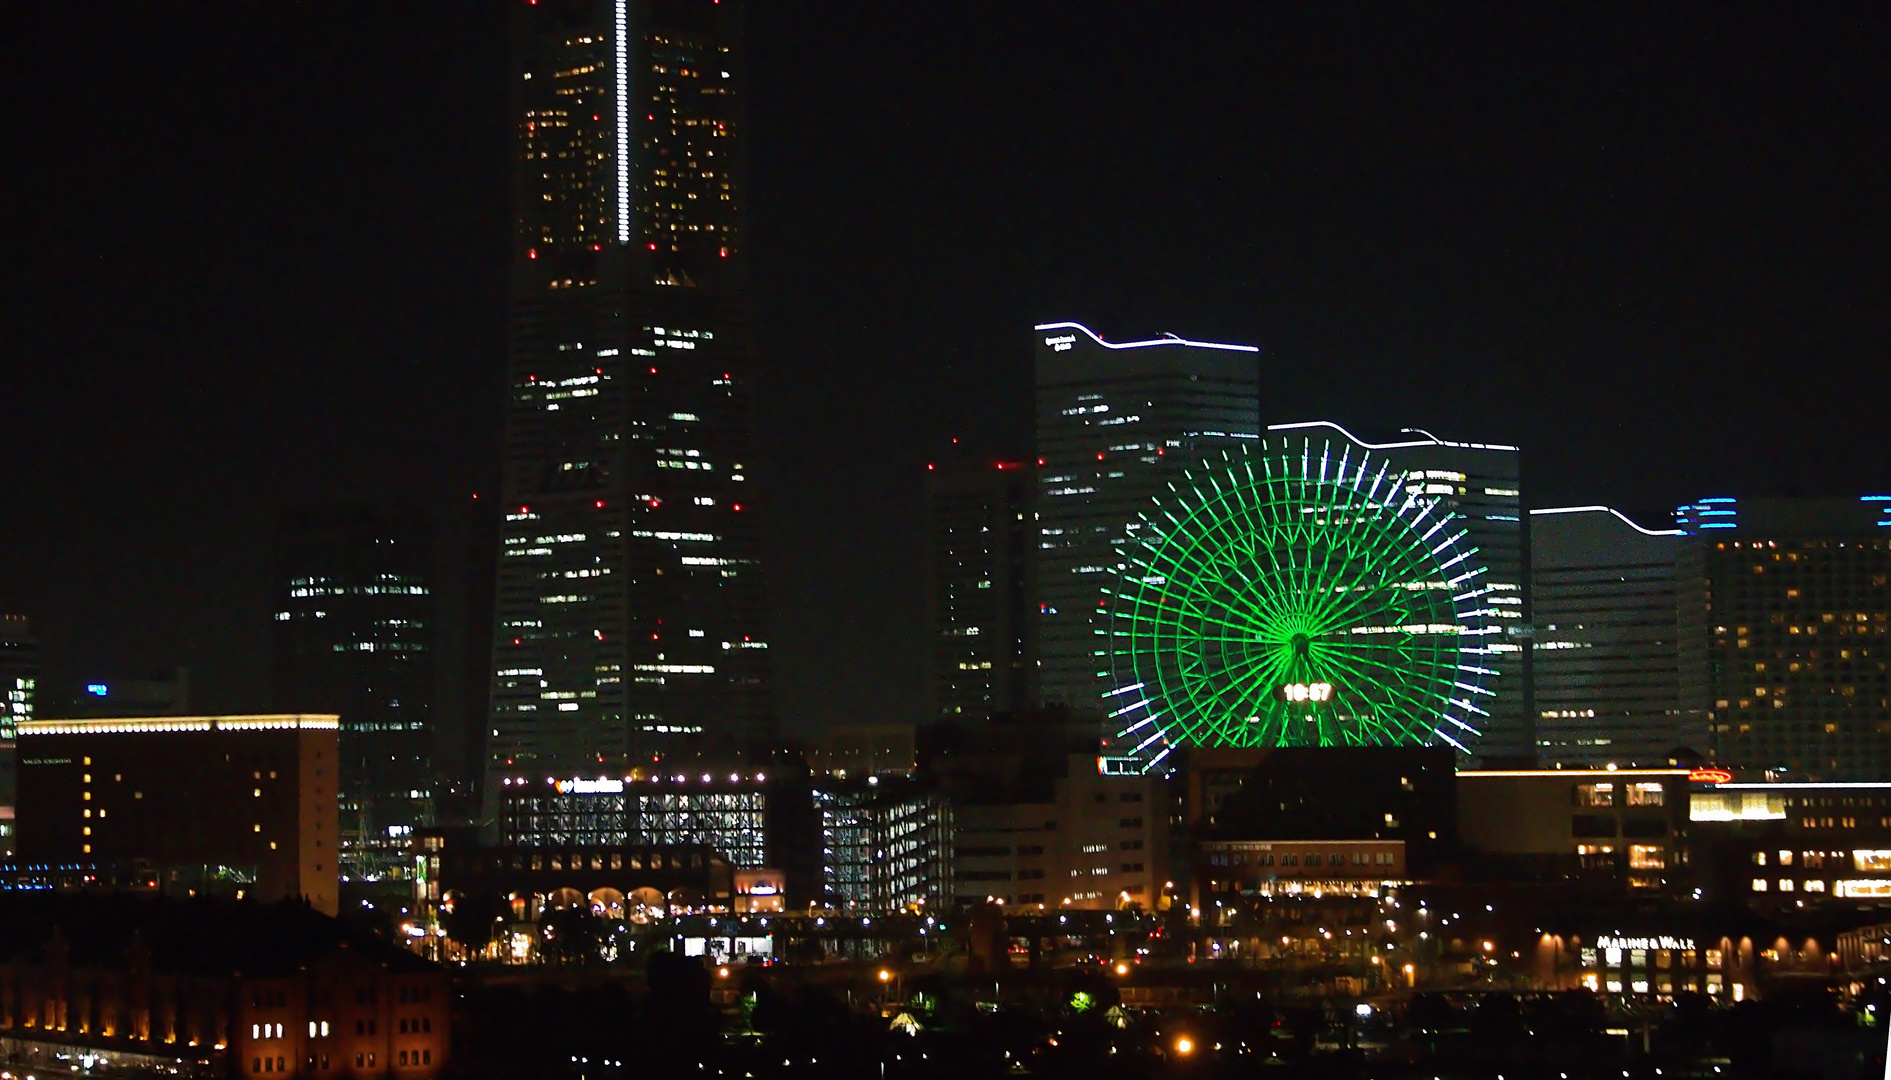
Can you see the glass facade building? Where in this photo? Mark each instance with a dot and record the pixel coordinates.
(753, 819)
(352, 636)
(629, 610)
(1480, 484)
(886, 845)
(981, 542)
(1783, 617)
(1116, 423)
(1604, 659)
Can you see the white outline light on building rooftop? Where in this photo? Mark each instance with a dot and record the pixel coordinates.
(1429, 440)
(1168, 340)
(1608, 510)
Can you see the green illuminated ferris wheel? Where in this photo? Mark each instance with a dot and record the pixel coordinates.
(1297, 593)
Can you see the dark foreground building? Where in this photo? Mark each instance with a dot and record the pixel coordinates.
(1341, 821)
(211, 988)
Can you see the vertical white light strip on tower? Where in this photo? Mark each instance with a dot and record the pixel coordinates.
(622, 23)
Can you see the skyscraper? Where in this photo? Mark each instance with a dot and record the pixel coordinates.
(981, 547)
(353, 636)
(1480, 483)
(630, 613)
(1605, 663)
(1116, 422)
(1784, 649)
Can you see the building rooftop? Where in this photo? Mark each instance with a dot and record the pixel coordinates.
(126, 725)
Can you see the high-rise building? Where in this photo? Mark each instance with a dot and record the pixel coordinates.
(1478, 482)
(981, 542)
(1605, 664)
(1783, 617)
(1116, 423)
(352, 636)
(19, 683)
(630, 613)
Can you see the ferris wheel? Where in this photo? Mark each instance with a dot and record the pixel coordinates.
(1297, 593)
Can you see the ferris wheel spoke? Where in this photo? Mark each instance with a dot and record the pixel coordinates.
(1195, 590)
(1397, 689)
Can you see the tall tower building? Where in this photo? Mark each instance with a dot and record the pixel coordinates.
(1784, 655)
(630, 613)
(353, 636)
(1605, 660)
(1480, 483)
(1116, 422)
(981, 550)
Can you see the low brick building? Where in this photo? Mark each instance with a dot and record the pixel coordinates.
(212, 988)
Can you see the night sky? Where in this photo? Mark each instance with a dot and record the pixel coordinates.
(255, 257)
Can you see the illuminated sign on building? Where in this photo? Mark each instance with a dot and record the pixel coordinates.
(1608, 942)
(1710, 776)
(1863, 888)
(590, 787)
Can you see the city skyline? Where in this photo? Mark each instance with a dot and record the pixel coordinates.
(607, 538)
(1645, 350)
